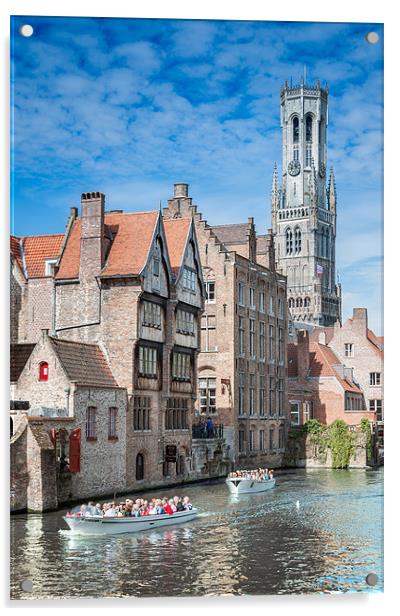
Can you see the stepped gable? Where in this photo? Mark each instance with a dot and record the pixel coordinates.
(127, 239)
(19, 355)
(84, 363)
(176, 232)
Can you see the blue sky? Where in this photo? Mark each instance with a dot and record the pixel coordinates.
(130, 106)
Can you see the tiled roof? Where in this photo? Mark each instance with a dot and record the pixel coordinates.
(176, 231)
(261, 244)
(19, 355)
(84, 363)
(15, 250)
(376, 342)
(36, 249)
(322, 362)
(132, 234)
(232, 234)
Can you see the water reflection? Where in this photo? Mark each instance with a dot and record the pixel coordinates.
(251, 544)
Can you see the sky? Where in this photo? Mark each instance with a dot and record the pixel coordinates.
(128, 107)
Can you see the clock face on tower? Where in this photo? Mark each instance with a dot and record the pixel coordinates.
(294, 167)
(322, 170)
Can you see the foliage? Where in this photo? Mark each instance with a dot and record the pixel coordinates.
(341, 443)
(366, 429)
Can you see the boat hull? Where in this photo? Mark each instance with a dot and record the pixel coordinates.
(97, 525)
(249, 486)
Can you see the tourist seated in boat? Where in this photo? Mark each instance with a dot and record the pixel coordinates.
(186, 503)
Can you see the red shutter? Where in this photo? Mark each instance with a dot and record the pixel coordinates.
(75, 451)
(53, 436)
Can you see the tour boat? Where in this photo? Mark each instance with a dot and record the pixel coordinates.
(240, 485)
(99, 525)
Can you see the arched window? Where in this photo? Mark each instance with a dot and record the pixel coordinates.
(139, 467)
(297, 241)
(309, 129)
(291, 302)
(43, 371)
(295, 125)
(289, 242)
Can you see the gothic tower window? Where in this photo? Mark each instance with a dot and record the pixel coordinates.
(297, 241)
(309, 129)
(289, 242)
(295, 130)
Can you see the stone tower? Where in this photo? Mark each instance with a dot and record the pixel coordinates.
(304, 208)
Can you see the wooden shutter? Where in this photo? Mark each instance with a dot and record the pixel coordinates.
(75, 451)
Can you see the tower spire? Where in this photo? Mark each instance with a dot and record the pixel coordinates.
(331, 191)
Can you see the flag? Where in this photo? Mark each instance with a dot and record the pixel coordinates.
(320, 270)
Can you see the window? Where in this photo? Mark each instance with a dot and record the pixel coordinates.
(210, 292)
(176, 414)
(297, 241)
(91, 423)
(271, 439)
(289, 242)
(281, 313)
(376, 406)
(241, 392)
(112, 422)
(141, 413)
(262, 301)
(262, 440)
(241, 336)
(308, 155)
(208, 333)
(252, 394)
(281, 346)
(189, 279)
(271, 306)
(185, 322)
(252, 324)
(309, 129)
(156, 266)
(241, 441)
(181, 366)
(148, 361)
(241, 298)
(180, 465)
(349, 349)
(251, 440)
(262, 340)
(208, 395)
(252, 298)
(295, 127)
(295, 413)
(139, 467)
(151, 315)
(43, 371)
(262, 396)
(281, 438)
(281, 397)
(374, 378)
(271, 396)
(50, 265)
(271, 343)
(309, 410)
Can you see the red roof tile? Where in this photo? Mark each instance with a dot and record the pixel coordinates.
(376, 342)
(176, 231)
(322, 362)
(38, 248)
(15, 250)
(132, 234)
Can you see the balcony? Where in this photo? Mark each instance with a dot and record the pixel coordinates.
(200, 431)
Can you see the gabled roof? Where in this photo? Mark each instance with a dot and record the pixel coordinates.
(15, 250)
(127, 237)
(376, 342)
(83, 363)
(176, 233)
(19, 355)
(232, 234)
(38, 248)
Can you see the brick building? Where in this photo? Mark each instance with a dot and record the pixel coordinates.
(320, 386)
(242, 364)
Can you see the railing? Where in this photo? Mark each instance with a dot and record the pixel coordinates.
(201, 431)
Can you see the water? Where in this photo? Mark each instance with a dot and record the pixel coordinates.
(253, 544)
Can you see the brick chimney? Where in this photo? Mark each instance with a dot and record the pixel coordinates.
(360, 319)
(270, 251)
(92, 233)
(303, 353)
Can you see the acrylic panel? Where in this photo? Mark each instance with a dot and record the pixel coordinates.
(196, 324)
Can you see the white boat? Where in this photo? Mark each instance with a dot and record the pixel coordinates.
(99, 525)
(240, 485)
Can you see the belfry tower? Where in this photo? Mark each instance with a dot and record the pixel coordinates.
(304, 209)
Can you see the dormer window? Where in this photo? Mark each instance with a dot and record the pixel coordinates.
(49, 268)
(43, 371)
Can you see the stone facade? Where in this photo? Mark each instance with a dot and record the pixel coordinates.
(304, 210)
(241, 368)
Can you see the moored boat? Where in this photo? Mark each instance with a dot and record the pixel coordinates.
(103, 525)
(241, 485)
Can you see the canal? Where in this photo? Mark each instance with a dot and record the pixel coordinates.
(264, 543)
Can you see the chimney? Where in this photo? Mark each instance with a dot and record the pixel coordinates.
(303, 353)
(270, 251)
(92, 233)
(181, 190)
(360, 319)
(322, 338)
